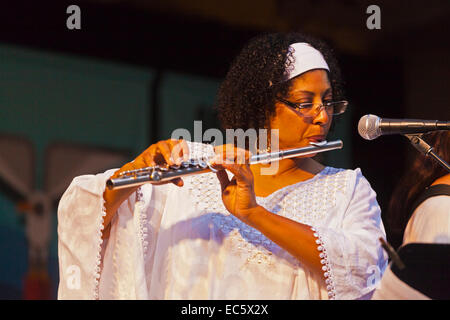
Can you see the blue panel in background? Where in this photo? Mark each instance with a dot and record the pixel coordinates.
(47, 98)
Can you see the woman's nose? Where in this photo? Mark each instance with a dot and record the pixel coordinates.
(322, 117)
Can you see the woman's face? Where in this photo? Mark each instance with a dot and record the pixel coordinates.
(296, 130)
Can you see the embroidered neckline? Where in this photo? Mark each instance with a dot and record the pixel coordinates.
(296, 184)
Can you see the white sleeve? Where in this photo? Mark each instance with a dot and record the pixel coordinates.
(430, 222)
(352, 257)
(80, 223)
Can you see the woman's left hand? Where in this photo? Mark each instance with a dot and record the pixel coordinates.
(238, 194)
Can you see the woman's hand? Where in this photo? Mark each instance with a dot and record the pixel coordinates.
(238, 194)
(166, 152)
(162, 153)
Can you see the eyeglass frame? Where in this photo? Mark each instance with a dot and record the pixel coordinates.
(321, 106)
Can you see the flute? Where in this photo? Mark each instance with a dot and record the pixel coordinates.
(157, 174)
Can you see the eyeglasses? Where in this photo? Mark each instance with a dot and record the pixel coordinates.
(309, 109)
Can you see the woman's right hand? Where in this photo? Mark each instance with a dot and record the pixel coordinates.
(162, 153)
(167, 152)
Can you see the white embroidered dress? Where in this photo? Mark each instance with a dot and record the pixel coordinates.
(168, 242)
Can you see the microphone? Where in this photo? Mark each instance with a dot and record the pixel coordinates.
(371, 127)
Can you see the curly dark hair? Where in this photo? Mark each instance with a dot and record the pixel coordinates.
(246, 97)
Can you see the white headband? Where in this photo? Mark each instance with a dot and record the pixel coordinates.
(305, 58)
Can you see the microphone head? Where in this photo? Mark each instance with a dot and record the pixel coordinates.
(368, 127)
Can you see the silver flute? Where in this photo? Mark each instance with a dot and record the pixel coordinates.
(158, 174)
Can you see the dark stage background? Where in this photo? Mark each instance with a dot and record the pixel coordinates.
(152, 66)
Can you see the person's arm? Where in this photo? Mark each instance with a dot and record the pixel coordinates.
(85, 212)
(80, 223)
(239, 198)
(350, 258)
(113, 200)
(430, 222)
(163, 152)
(296, 238)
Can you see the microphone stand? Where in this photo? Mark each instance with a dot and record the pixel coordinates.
(418, 143)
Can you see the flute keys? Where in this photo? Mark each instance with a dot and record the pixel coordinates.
(185, 164)
(140, 172)
(155, 176)
(202, 164)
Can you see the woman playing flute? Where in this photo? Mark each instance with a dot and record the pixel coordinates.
(305, 231)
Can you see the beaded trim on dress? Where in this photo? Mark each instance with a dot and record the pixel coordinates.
(326, 267)
(99, 250)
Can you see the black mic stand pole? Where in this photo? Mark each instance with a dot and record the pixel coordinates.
(418, 143)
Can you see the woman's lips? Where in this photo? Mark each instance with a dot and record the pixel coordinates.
(316, 138)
